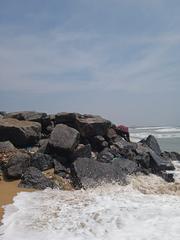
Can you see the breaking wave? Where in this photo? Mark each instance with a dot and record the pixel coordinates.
(147, 208)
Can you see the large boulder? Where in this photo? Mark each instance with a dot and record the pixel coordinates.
(27, 115)
(151, 142)
(42, 161)
(20, 133)
(16, 165)
(40, 117)
(63, 139)
(6, 146)
(91, 125)
(68, 119)
(87, 172)
(158, 164)
(34, 178)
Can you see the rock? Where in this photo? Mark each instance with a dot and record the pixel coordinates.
(16, 165)
(151, 142)
(82, 151)
(126, 149)
(159, 164)
(111, 134)
(105, 156)
(3, 113)
(43, 146)
(143, 159)
(6, 146)
(20, 133)
(63, 139)
(27, 115)
(87, 172)
(91, 125)
(61, 170)
(34, 178)
(42, 161)
(98, 143)
(171, 155)
(68, 119)
(168, 177)
(175, 156)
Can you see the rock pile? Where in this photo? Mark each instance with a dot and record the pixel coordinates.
(83, 150)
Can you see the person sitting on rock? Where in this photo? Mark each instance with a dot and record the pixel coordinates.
(123, 131)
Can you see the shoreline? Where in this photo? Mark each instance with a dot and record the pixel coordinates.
(8, 190)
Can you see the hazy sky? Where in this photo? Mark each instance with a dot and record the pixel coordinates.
(116, 58)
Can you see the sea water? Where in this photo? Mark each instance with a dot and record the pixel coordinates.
(148, 208)
(168, 137)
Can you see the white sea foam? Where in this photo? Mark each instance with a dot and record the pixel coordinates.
(159, 132)
(109, 212)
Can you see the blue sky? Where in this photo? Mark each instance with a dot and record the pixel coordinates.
(116, 58)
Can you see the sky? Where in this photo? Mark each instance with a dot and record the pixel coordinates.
(116, 58)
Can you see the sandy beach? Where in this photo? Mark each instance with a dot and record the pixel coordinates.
(9, 189)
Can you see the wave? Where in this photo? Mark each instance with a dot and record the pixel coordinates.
(147, 208)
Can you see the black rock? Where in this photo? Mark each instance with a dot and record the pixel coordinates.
(168, 177)
(151, 142)
(143, 159)
(171, 155)
(34, 178)
(63, 139)
(20, 133)
(105, 156)
(16, 165)
(158, 164)
(87, 172)
(42, 161)
(6, 146)
(43, 146)
(68, 119)
(82, 151)
(61, 170)
(98, 143)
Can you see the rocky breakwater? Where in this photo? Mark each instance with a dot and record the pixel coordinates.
(71, 150)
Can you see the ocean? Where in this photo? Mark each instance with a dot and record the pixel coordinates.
(147, 208)
(168, 137)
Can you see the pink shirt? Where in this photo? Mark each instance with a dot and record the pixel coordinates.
(123, 128)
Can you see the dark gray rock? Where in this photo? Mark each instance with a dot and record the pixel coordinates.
(126, 149)
(20, 133)
(33, 178)
(151, 142)
(6, 146)
(143, 159)
(98, 143)
(105, 156)
(158, 164)
(91, 125)
(171, 155)
(42, 161)
(168, 177)
(63, 139)
(111, 134)
(87, 172)
(16, 165)
(43, 146)
(82, 151)
(61, 170)
(68, 119)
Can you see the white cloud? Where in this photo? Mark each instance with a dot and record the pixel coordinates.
(24, 59)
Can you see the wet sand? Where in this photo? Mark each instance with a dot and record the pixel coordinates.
(7, 192)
